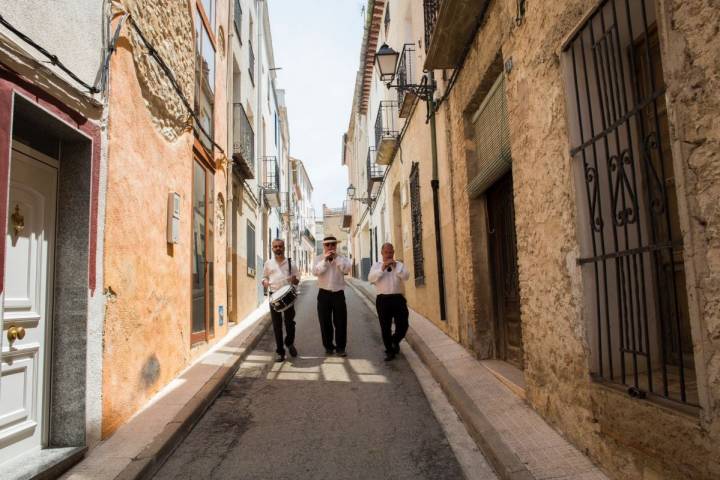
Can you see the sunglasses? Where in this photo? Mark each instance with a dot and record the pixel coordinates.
(331, 244)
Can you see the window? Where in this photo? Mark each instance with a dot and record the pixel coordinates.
(204, 77)
(250, 249)
(209, 11)
(251, 54)
(238, 20)
(416, 219)
(632, 250)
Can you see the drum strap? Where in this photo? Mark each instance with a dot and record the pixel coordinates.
(290, 269)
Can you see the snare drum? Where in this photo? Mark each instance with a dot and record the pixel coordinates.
(283, 298)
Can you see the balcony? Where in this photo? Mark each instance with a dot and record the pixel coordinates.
(243, 142)
(405, 75)
(271, 182)
(450, 26)
(375, 173)
(347, 217)
(386, 132)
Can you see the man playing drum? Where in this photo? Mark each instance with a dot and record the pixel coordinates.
(277, 273)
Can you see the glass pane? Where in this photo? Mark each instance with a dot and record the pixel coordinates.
(210, 250)
(204, 81)
(198, 249)
(209, 6)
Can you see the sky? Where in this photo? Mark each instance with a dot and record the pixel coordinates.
(317, 45)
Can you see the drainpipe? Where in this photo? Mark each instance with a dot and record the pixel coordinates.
(435, 184)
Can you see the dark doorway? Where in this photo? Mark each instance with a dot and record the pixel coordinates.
(506, 289)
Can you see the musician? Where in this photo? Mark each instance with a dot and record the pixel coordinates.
(278, 272)
(330, 269)
(388, 277)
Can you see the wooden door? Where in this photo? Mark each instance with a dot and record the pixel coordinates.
(28, 302)
(503, 253)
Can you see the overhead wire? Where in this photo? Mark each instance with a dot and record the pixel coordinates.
(53, 58)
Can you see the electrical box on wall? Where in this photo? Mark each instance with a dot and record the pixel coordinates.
(173, 219)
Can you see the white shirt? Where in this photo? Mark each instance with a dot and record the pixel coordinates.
(278, 274)
(331, 275)
(388, 283)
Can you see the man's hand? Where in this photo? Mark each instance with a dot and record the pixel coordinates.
(391, 263)
(294, 280)
(265, 283)
(330, 256)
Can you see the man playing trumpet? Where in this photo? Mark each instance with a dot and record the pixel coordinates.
(388, 277)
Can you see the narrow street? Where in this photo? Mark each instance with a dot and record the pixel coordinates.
(319, 417)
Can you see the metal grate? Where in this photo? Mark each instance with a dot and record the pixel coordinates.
(416, 219)
(431, 9)
(633, 251)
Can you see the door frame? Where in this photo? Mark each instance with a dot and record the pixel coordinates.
(208, 333)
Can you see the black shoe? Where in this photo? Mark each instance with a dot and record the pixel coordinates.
(395, 347)
(329, 351)
(280, 358)
(341, 353)
(389, 356)
(293, 350)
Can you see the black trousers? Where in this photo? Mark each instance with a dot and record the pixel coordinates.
(277, 321)
(332, 313)
(391, 307)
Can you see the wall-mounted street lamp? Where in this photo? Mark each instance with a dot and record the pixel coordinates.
(386, 60)
(351, 196)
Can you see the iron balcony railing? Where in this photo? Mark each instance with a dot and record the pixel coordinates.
(404, 74)
(271, 177)
(375, 172)
(431, 9)
(243, 142)
(386, 122)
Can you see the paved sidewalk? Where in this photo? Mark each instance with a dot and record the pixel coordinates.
(141, 445)
(514, 438)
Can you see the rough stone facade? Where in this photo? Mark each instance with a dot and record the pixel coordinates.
(629, 438)
(168, 26)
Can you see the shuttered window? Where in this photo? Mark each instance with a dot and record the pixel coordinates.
(416, 219)
(492, 139)
(251, 248)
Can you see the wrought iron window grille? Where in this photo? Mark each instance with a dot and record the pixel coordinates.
(431, 8)
(640, 333)
(416, 220)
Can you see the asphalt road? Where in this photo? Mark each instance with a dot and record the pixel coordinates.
(318, 417)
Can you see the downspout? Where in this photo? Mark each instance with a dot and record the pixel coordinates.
(435, 184)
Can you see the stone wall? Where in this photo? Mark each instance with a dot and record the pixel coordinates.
(629, 438)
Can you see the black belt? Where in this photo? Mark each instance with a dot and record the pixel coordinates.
(390, 295)
(331, 292)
